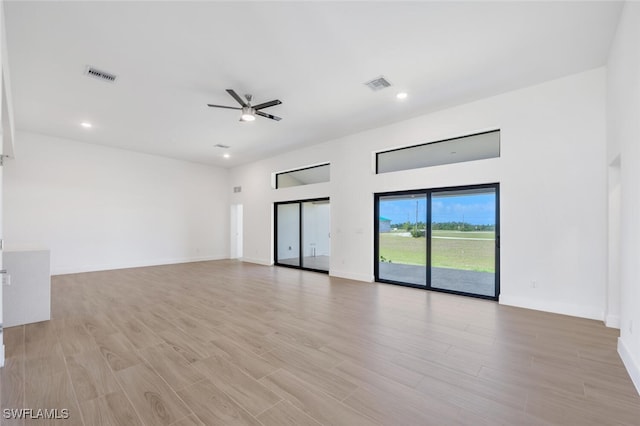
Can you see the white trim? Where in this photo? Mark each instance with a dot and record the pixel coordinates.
(633, 368)
(590, 312)
(351, 276)
(109, 267)
(1, 355)
(612, 321)
(257, 261)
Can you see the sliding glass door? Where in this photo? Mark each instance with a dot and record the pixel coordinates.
(302, 234)
(288, 234)
(402, 244)
(440, 239)
(316, 228)
(463, 241)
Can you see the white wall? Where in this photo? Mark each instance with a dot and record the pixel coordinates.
(553, 190)
(623, 124)
(100, 208)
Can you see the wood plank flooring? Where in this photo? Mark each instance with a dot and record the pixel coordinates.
(231, 343)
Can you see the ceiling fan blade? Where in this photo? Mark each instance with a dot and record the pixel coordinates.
(222, 106)
(236, 97)
(267, 104)
(264, 114)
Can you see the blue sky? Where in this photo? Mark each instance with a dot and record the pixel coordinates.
(476, 209)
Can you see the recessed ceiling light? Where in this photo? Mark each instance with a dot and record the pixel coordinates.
(402, 95)
(86, 125)
(226, 155)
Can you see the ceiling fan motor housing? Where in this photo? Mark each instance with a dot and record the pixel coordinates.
(249, 112)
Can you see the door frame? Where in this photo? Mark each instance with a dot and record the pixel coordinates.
(236, 237)
(300, 230)
(428, 193)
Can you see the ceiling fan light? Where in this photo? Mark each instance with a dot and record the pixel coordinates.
(247, 114)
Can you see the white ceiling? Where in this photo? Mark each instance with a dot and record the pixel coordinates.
(172, 58)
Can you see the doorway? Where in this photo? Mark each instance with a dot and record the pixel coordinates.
(302, 234)
(612, 317)
(235, 234)
(444, 239)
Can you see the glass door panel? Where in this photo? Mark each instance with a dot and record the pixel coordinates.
(288, 234)
(316, 228)
(463, 241)
(402, 247)
(302, 234)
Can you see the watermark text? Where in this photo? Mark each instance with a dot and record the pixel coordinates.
(36, 413)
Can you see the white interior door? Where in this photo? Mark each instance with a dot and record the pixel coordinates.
(6, 145)
(235, 242)
(2, 275)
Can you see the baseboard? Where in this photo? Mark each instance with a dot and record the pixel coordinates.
(554, 307)
(257, 261)
(633, 368)
(351, 276)
(612, 321)
(141, 264)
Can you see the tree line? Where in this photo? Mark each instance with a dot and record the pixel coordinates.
(444, 226)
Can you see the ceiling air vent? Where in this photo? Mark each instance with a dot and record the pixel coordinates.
(378, 83)
(100, 75)
(219, 145)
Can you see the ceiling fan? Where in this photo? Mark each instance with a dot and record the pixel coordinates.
(249, 111)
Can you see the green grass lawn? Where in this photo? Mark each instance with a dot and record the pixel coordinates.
(459, 234)
(465, 254)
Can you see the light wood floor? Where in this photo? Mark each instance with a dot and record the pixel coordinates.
(231, 343)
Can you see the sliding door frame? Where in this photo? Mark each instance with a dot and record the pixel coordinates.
(376, 233)
(428, 192)
(300, 230)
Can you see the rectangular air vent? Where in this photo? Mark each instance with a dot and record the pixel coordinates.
(378, 83)
(219, 145)
(237, 189)
(100, 75)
